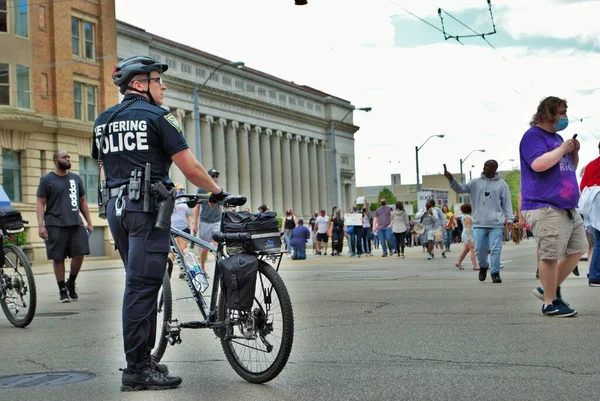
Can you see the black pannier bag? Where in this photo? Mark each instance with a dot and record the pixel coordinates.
(238, 274)
(10, 219)
(263, 227)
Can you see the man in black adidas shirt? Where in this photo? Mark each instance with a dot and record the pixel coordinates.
(60, 198)
(126, 137)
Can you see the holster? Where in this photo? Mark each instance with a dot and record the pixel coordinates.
(165, 203)
(103, 200)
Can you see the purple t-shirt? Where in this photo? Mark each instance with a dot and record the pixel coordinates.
(556, 187)
(384, 217)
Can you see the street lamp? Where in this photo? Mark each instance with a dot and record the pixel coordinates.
(334, 151)
(462, 178)
(417, 148)
(471, 172)
(505, 160)
(236, 64)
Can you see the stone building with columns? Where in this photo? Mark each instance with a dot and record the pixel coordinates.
(270, 139)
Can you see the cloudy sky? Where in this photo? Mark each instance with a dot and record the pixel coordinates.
(375, 53)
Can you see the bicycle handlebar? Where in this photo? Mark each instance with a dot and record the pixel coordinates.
(219, 236)
(231, 200)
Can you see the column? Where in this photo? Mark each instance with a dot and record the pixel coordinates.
(220, 161)
(190, 137)
(232, 158)
(305, 178)
(255, 174)
(314, 189)
(322, 174)
(286, 166)
(296, 180)
(276, 165)
(265, 158)
(244, 160)
(176, 174)
(206, 142)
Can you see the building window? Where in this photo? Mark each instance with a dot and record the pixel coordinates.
(4, 85)
(44, 85)
(318, 108)
(282, 97)
(11, 174)
(186, 68)
(272, 94)
(171, 63)
(88, 171)
(155, 56)
(249, 88)
(84, 101)
(301, 103)
(227, 80)
(20, 14)
(42, 19)
(23, 87)
(3, 21)
(262, 91)
(200, 72)
(309, 105)
(239, 84)
(292, 100)
(83, 43)
(215, 78)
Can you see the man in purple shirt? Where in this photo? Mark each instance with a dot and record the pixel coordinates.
(382, 227)
(549, 197)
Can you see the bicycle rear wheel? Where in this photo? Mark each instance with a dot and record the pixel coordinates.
(18, 298)
(165, 311)
(259, 341)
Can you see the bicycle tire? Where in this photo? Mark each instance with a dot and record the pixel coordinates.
(25, 288)
(265, 271)
(165, 311)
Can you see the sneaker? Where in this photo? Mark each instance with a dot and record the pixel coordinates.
(444, 255)
(539, 293)
(576, 271)
(64, 296)
(594, 282)
(402, 256)
(384, 255)
(496, 278)
(482, 273)
(148, 379)
(429, 257)
(71, 289)
(558, 309)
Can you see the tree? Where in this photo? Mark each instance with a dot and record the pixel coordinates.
(386, 194)
(513, 179)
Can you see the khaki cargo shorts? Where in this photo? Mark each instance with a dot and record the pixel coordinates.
(557, 232)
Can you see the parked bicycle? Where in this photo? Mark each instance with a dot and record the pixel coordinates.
(18, 297)
(256, 337)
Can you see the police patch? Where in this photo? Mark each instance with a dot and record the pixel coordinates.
(173, 121)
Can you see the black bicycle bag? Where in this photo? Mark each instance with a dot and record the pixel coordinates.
(263, 228)
(238, 279)
(10, 219)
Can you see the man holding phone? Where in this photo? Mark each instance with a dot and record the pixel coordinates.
(492, 210)
(550, 195)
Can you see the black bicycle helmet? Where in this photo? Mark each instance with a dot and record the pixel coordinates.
(126, 69)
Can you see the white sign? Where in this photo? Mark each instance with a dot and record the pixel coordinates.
(353, 219)
(457, 211)
(360, 200)
(409, 209)
(422, 198)
(440, 196)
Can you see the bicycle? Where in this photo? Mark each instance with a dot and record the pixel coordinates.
(249, 337)
(18, 289)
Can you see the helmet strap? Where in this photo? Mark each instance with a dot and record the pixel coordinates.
(146, 92)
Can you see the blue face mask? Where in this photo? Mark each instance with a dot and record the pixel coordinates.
(561, 124)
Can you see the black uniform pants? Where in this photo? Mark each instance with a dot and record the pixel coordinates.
(144, 252)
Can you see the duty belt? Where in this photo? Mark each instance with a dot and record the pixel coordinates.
(114, 192)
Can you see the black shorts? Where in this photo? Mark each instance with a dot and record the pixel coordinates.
(322, 237)
(66, 242)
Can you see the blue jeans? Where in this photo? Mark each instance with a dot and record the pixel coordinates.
(287, 235)
(299, 253)
(447, 237)
(385, 236)
(595, 263)
(355, 241)
(488, 238)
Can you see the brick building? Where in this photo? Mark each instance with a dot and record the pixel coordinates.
(55, 58)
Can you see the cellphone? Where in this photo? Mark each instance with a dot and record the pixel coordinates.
(445, 169)
(575, 136)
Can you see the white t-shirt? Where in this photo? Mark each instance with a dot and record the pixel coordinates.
(322, 223)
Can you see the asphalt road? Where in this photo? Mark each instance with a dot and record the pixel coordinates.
(366, 329)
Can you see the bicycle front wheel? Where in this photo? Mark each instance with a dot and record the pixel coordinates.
(18, 298)
(165, 310)
(258, 342)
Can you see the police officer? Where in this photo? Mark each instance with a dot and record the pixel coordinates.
(130, 135)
